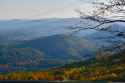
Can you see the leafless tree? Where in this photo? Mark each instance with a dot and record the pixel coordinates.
(105, 12)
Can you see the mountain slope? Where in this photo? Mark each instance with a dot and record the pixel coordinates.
(62, 47)
(46, 52)
(19, 58)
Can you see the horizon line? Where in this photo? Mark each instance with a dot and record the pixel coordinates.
(38, 18)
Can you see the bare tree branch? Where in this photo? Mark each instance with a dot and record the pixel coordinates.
(116, 8)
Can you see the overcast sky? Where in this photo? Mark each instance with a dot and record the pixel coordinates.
(36, 9)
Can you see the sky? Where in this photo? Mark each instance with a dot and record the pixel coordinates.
(36, 9)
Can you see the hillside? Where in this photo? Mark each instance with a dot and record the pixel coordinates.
(102, 68)
(40, 47)
(46, 52)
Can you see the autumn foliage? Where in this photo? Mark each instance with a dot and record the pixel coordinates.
(112, 71)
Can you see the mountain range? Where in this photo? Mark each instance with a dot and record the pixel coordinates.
(47, 43)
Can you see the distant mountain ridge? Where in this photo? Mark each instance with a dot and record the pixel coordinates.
(18, 30)
(30, 29)
(51, 42)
